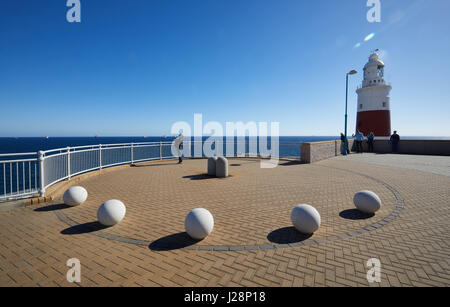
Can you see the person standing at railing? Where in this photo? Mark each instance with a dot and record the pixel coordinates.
(178, 143)
(359, 138)
(343, 141)
(395, 139)
(370, 140)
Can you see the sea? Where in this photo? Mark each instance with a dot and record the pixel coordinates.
(289, 145)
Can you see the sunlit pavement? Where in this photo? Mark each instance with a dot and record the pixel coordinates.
(253, 242)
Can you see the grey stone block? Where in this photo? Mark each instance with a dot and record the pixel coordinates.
(222, 167)
(212, 166)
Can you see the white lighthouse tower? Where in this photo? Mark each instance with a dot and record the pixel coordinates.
(374, 113)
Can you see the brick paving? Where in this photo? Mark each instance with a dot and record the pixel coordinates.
(252, 244)
(431, 164)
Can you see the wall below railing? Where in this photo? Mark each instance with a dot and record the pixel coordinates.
(413, 147)
(317, 151)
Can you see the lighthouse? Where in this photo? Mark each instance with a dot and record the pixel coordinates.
(374, 113)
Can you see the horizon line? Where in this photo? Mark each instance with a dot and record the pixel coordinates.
(173, 135)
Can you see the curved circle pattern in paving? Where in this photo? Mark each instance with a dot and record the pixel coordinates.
(182, 241)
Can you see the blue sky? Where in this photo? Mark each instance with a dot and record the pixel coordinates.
(136, 67)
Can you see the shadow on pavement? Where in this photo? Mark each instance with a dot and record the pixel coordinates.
(171, 242)
(199, 177)
(154, 164)
(289, 163)
(287, 235)
(83, 228)
(52, 207)
(354, 214)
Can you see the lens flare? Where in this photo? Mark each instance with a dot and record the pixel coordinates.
(369, 37)
(357, 45)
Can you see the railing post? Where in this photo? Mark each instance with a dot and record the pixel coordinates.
(68, 162)
(160, 150)
(132, 154)
(41, 173)
(100, 156)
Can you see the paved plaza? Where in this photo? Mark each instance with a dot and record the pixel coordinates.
(431, 164)
(253, 242)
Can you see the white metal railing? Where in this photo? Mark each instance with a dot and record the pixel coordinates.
(18, 175)
(27, 174)
(361, 86)
(64, 163)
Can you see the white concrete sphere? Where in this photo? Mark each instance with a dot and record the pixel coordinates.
(367, 201)
(305, 218)
(75, 196)
(111, 212)
(199, 223)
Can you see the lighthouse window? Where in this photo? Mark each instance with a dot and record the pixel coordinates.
(360, 106)
(380, 72)
(384, 104)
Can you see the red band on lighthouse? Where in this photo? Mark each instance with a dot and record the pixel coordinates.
(378, 122)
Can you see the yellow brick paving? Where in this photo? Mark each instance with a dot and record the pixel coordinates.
(252, 207)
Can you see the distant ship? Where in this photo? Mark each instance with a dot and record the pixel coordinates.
(46, 137)
(96, 136)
